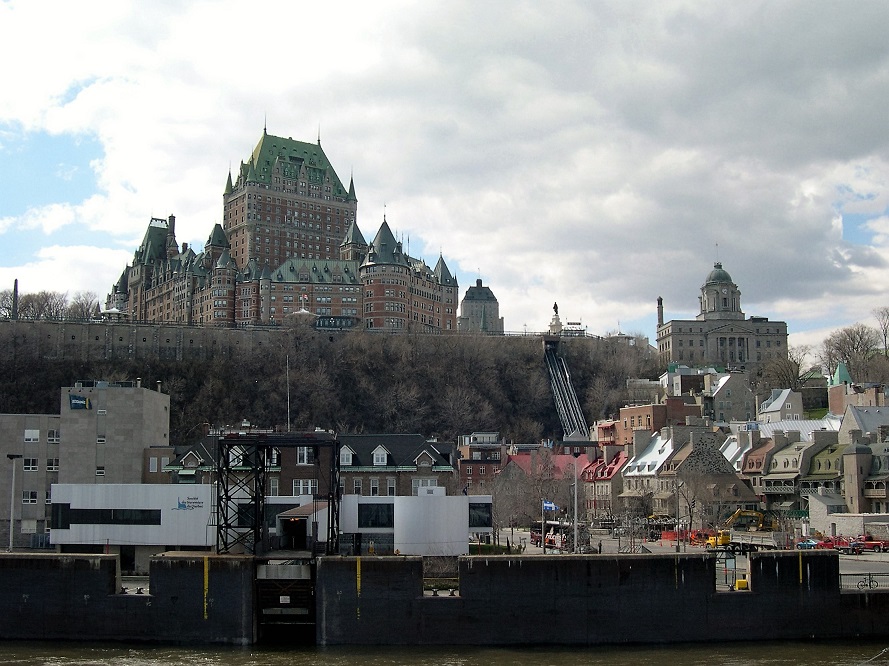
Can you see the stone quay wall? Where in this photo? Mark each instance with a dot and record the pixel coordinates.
(77, 597)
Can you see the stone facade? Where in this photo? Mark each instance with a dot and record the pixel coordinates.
(289, 247)
(720, 334)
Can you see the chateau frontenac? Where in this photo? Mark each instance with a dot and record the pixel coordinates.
(289, 246)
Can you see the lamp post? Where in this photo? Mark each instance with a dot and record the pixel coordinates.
(678, 484)
(576, 488)
(12, 458)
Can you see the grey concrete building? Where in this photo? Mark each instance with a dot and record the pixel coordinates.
(480, 311)
(105, 432)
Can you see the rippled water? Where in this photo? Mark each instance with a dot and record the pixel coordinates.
(812, 654)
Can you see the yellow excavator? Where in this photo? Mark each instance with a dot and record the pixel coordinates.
(742, 520)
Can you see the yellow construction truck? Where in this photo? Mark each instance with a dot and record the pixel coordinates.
(747, 531)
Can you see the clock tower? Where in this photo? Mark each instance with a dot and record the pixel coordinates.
(721, 335)
(720, 297)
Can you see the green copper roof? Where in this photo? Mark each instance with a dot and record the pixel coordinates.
(718, 274)
(217, 237)
(841, 375)
(228, 183)
(295, 154)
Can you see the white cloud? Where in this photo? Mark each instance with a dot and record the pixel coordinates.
(589, 154)
(68, 269)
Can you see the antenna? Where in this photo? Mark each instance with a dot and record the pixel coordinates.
(717, 252)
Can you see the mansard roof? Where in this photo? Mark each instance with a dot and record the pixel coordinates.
(402, 450)
(153, 249)
(479, 293)
(316, 271)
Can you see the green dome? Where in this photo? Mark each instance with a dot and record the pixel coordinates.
(718, 274)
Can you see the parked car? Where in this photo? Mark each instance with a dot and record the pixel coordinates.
(807, 544)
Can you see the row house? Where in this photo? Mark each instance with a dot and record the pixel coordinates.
(396, 465)
(478, 461)
(603, 483)
(674, 410)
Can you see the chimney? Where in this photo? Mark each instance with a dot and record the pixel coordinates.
(138, 382)
(158, 386)
(660, 311)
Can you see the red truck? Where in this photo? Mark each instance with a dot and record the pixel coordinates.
(843, 545)
(874, 545)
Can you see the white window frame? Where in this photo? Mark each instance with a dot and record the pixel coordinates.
(374, 487)
(391, 487)
(52, 464)
(30, 464)
(31, 435)
(418, 483)
(29, 497)
(305, 487)
(380, 458)
(356, 486)
(305, 455)
(345, 457)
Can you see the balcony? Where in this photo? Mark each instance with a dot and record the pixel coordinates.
(780, 489)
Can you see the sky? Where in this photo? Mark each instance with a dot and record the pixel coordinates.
(594, 154)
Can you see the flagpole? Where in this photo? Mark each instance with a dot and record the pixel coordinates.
(543, 525)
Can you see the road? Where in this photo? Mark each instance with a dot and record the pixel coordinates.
(867, 562)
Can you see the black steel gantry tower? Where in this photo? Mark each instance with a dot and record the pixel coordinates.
(241, 466)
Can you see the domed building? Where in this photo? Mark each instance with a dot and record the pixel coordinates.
(720, 335)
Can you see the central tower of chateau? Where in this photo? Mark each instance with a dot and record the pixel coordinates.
(286, 202)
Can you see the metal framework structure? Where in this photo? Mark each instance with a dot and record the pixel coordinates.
(240, 477)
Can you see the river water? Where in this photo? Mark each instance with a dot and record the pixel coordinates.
(762, 654)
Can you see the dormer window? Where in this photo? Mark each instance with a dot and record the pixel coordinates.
(345, 457)
(380, 457)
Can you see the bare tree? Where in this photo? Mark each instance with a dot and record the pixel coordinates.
(43, 305)
(853, 345)
(83, 305)
(882, 316)
(6, 304)
(787, 372)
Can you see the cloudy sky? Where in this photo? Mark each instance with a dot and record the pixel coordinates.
(598, 154)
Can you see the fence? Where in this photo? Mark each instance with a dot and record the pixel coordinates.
(864, 581)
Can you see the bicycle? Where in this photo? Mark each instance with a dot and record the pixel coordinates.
(868, 583)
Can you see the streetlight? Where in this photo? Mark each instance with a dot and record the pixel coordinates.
(677, 485)
(12, 458)
(576, 487)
